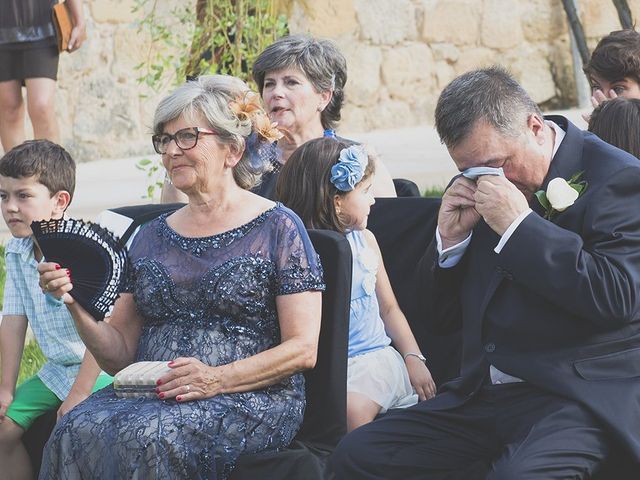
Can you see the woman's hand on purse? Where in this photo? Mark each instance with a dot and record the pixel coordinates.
(189, 379)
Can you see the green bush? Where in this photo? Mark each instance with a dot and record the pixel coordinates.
(433, 192)
(32, 361)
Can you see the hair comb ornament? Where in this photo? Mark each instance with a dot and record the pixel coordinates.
(261, 147)
(350, 168)
(96, 258)
(246, 105)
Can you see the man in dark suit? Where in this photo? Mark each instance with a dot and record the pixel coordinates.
(549, 307)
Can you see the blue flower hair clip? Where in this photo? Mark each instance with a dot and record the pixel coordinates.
(349, 170)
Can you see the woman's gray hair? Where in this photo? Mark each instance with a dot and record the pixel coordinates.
(489, 94)
(320, 61)
(209, 96)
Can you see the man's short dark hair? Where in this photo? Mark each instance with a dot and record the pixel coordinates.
(616, 56)
(489, 94)
(48, 162)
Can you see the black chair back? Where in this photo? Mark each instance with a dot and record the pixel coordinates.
(404, 228)
(325, 418)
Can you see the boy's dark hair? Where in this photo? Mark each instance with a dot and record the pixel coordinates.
(616, 56)
(48, 162)
(617, 122)
(305, 187)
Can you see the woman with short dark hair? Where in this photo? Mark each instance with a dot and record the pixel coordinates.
(301, 80)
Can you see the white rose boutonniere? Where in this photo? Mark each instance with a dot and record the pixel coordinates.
(561, 194)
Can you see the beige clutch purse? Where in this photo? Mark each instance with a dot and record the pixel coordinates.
(139, 379)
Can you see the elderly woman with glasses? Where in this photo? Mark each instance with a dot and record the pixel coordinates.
(301, 80)
(226, 291)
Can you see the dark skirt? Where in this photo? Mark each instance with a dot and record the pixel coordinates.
(19, 61)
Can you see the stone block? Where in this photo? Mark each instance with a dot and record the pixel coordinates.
(390, 114)
(363, 69)
(354, 119)
(113, 11)
(408, 71)
(472, 58)
(386, 22)
(532, 69)
(64, 111)
(444, 74)
(501, 28)
(131, 47)
(96, 52)
(598, 18)
(543, 20)
(329, 18)
(106, 117)
(454, 21)
(445, 51)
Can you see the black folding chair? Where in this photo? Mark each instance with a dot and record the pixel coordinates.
(324, 421)
(404, 228)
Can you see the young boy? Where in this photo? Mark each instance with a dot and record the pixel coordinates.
(37, 180)
(614, 67)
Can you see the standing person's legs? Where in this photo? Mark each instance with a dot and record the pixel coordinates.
(11, 114)
(418, 443)
(41, 107)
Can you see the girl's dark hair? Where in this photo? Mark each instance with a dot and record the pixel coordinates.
(617, 122)
(304, 184)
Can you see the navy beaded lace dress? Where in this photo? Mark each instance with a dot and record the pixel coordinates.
(212, 298)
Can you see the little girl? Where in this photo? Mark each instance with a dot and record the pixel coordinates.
(327, 183)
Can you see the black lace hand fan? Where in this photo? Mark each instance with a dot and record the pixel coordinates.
(96, 258)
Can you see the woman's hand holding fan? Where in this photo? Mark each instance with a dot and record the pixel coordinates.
(84, 263)
(56, 281)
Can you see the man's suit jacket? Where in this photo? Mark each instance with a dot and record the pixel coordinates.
(560, 305)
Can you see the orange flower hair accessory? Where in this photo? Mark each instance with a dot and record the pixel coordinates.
(267, 129)
(246, 105)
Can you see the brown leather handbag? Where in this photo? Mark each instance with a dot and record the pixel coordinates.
(63, 25)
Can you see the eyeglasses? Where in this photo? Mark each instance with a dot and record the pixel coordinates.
(185, 139)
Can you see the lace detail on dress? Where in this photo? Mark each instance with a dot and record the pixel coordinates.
(198, 245)
(212, 299)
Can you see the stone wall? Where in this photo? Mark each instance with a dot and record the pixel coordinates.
(401, 53)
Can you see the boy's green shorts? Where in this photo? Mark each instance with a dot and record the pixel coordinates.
(33, 399)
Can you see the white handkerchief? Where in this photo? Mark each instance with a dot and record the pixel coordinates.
(475, 172)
